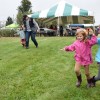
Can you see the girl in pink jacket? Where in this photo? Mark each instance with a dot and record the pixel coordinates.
(83, 57)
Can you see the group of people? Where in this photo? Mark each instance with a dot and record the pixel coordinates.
(85, 39)
(28, 29)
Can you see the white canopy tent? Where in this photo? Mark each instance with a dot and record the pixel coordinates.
(63, 13)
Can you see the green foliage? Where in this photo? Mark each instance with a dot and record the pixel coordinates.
(19, 18)
(9, 21)
(24, 8)
(7, 32)
(43, 73)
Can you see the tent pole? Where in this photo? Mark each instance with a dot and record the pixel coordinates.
(58, 26)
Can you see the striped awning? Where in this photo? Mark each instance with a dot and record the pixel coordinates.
(61, 9)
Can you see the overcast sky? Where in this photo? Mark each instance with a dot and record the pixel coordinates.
(9, 7)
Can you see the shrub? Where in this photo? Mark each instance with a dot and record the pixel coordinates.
(7, 32)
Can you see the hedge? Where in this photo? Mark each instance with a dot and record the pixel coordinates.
(7, 32)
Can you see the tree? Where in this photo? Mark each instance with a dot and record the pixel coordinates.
(19, 18)
(9, 21)
(24, 8)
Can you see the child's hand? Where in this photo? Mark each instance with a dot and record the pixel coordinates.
(63, 49)
(91, 33)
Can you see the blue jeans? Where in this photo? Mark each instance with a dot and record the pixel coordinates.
(27, 35)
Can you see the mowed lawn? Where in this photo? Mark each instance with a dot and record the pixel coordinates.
(44, 73)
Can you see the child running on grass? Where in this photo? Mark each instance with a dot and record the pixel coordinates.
(22, 35)
(83, 57)
(97, 59)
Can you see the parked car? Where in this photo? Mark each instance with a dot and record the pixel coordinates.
(74, 26)
(47, 32)
(71, 32)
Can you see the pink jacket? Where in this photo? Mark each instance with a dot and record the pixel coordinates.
(82, 50)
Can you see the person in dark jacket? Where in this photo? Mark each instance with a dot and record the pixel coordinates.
(61, 30)
(31, 28)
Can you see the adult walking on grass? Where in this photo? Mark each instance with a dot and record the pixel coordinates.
(83, 57)
(31, 28)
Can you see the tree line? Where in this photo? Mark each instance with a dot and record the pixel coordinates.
(24, 8)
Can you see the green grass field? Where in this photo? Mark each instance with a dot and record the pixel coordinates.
(43, 73)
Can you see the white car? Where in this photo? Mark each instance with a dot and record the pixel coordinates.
(47, 32)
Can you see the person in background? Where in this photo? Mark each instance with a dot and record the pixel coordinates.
(51, 26)
(31, 27)
(61, 30)
(22, 35)
(98, 29)
(83, 57)
(55, 27)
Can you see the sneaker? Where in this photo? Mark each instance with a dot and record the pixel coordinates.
(37, 46)
(93, 81)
